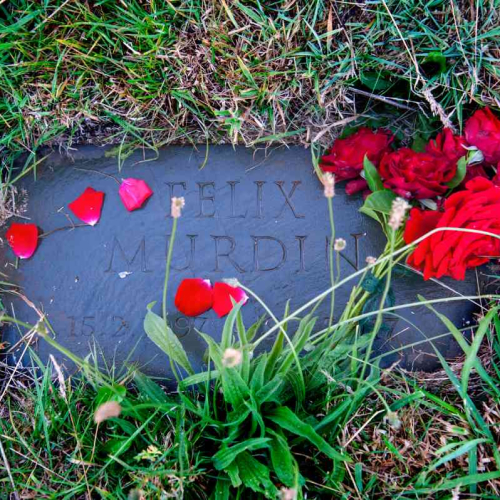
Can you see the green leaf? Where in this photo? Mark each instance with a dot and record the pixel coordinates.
(282, 459)
(226, 456)
(379, 202)
(460, 173)
(470, 360)
(257, 380)
(437, 58)
(115, 392)
(234, 474)
(199, 378)
(269, 391)
(149, 388)
(461, 450)
(372, 176)
(255, 475)
(252, 331)
(221, 491)
(286, 419)
(419, 143)
(227, 331)
(374, 81)
(234, 388)
(163, 336)
(458, 336)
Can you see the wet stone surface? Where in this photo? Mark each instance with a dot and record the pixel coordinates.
(260, 218)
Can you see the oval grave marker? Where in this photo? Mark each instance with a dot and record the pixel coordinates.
(261, 218)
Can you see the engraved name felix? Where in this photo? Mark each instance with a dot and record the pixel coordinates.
(263, 252)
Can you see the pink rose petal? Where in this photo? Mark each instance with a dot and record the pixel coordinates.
(194, 296)
(23, 239)
(222, 298)
(87, 207)
(133, 193)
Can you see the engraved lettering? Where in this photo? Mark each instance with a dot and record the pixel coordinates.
(141, 250)
(123, 326)
(204, 197)
(302, 262)
(288, 198)
(171, 193)
(356, 237)
(228, 254)
(72, 332)
(259, 185)
(88, 328)
(342, 256)
(192, 252)
(256, 256)
(233, 199)
(182, 326)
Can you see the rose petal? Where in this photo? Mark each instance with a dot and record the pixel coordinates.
(23, 239)
(194, 296)
(133, 193)
(87, 207)
(222, 298)
(355, 186)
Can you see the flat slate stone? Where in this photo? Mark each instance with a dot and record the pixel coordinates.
(258, 216)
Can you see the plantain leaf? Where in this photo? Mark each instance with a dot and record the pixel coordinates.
(282, 459)
(163, 336)
(226, 456)
(255, 475)
(286, 419)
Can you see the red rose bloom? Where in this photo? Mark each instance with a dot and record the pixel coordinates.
(483, 131)
(345, 158)
(473, 171)
(416, 175)
(451, 253)
(447, 144)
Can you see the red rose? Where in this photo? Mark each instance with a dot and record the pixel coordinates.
(345, 158)
(473, 171)
(496, 178)
(356, 185)
(447, 144)
(416, 175)
(450, 253)
(483, 131)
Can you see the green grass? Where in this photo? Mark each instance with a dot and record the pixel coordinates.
(406, 437)
(153, 72)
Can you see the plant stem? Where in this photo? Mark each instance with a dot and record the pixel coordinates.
(330, 252)
(380, 315)
(98, 172)
(167, 270)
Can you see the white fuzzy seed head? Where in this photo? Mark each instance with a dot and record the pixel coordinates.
(329, 184)
(398, 213)
(107, 410)
(339, 244)
(177, 206)
(232, 357)
(370, 260)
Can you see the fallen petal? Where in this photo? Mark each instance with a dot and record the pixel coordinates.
(194, 296)
(87, 207)
(23, 239)
(133, 193)
(222, 298)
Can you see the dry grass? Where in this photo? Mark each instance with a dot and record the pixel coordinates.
(248, 72)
